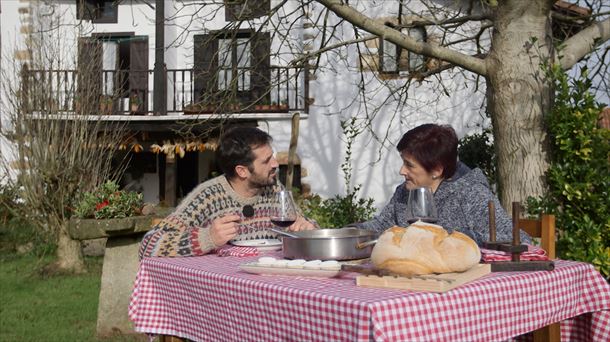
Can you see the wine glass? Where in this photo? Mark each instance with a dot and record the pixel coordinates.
(285, 213)
(420, 206)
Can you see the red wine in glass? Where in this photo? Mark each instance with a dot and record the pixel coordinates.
(282, 221)
(285, 213)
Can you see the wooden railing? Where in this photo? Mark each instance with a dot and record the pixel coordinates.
(131, 92)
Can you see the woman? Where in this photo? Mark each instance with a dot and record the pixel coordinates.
(461, 195)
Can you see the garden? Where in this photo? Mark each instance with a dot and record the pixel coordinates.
(42, 302)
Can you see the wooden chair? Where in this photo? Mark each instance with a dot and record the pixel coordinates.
(543, 228)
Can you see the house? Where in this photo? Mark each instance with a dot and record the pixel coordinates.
(178, 71)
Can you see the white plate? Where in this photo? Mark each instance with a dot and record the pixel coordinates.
(261, 244)
(304, 272)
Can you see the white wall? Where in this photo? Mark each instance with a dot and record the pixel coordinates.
(321, 143)
(375, 164)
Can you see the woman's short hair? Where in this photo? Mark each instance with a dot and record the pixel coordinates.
(433, 146)
(236, 146)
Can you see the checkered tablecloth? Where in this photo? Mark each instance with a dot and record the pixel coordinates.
(209, 298)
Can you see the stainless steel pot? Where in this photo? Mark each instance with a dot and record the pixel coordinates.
(329, 244)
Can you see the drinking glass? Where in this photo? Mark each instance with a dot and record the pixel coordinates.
(285, 213)
(420, 206)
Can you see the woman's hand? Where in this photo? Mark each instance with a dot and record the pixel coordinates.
(301, 224)
(224, 229)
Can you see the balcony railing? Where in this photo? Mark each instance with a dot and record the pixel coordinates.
(119, 93)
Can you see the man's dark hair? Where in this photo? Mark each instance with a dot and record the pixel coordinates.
(235, 148)
(432, 146)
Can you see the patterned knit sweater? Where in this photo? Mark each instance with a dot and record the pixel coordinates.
(186, 232)
(461, 202)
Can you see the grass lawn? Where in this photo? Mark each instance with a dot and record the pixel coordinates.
(39, 307)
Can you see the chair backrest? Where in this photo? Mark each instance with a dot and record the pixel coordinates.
(543, 228)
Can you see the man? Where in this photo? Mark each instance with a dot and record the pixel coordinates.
(235, 205)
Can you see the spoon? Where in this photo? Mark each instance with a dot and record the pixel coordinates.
(285, 233)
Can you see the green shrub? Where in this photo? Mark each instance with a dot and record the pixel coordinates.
(17, 233)
(9, 201)
(579, 175)
(477, 150)
(338, 211)
(108, 202)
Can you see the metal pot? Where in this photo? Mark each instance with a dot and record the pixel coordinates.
(330, 244)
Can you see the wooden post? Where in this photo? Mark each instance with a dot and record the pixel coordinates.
(170, 180)
(159, 96)
(492, 221)
(516, 229)
(294, 137)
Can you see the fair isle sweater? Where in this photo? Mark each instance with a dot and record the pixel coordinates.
(462, 205)
(186, 232)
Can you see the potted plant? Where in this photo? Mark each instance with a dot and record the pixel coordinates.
(108, 201)
(106, 105)
(235, 106)
(134, 103)
(77, 104)
(284, 105)
(191, 108)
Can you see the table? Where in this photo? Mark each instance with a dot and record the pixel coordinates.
(209, 298)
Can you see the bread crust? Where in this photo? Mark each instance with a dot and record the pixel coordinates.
(424, 248)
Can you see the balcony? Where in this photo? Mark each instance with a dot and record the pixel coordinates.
(118, 94)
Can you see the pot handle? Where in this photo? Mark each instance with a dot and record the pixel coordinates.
(362, 245)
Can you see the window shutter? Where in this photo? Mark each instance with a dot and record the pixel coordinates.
(87, 10)
(205, 65)
(138, 71)
(89, 71)
(261, 47)
(236, 10)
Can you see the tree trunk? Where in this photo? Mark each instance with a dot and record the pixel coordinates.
(519, 95)
(69, 253)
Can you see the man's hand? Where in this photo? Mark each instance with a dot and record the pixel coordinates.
(301, 224)
(224, 229)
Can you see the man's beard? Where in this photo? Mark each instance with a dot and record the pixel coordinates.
(260, 182)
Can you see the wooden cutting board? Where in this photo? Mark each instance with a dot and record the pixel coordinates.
(432, 282)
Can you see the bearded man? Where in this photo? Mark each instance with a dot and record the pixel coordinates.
(233, 206)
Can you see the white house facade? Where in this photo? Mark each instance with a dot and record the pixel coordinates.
(213, 49)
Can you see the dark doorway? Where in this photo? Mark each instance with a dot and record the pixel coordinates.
(187, 177)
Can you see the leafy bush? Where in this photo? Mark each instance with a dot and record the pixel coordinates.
(579, 174)
(477, 150)
(9, 200)
(338, 211)
(17, 234)
(108, 202)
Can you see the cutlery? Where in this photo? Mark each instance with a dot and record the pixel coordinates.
(285, 233)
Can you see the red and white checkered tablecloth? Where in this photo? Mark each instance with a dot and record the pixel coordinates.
(209, 298)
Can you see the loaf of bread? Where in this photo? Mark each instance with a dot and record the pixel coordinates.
(424, 248)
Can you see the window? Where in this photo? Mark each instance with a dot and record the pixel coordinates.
(417, 62)
(98, 11)
(119, 62)
(232, 64)
(245, 9)
(392, 58)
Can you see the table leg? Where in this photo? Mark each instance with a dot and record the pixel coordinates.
(550, 333)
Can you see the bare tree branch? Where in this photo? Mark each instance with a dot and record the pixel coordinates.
(404, 41)
(298, 61)
(582, 43)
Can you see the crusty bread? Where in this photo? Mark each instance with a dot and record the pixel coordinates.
(424, 248)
